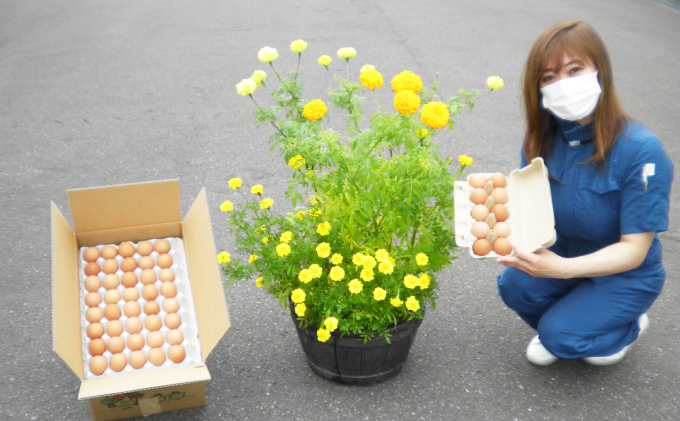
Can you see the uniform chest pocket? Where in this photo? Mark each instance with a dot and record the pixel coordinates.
(600, 203)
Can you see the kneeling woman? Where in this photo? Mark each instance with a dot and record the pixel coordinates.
(610, 180)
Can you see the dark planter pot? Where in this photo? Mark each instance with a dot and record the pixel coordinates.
(348, 360)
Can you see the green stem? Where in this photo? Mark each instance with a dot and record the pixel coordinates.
(272, 123)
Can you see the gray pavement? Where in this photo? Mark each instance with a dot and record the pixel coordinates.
(97, 93)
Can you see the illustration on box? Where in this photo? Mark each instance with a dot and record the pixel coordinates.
(156, 328)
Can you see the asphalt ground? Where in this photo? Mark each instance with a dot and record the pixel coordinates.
(96, 93)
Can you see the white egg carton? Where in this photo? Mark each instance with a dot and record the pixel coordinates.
(186, 312)
(531, 220)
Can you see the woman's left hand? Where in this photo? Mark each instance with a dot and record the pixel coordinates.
(542, 264)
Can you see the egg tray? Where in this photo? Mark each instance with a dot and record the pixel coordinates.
(186, 312)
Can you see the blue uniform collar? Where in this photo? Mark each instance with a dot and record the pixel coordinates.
(574, 133)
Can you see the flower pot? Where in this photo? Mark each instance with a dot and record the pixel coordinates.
(348, 360)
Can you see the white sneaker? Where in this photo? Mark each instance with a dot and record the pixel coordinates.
(537, 354)
(643, 323)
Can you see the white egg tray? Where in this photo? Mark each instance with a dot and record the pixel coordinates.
(186, 312)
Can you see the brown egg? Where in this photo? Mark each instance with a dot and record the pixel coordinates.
(151, 308)
(164, 261)
(173, 321)
(112, 296)
(94, 315)
(137, 359)
(501, 212)
(135, 342)
(502, 246)
(479, 196)
(118, 362)
(147, 277)
(93, 299)
(502, 229)
(144, 248)
(153, 323)
(91, 254)
(168, 290)
(109, 252)
(146, 262)
(131, 309)
(477, 180)
(499, 180)
(98, 365)
(91, 269)
(150, 293)
(481, 247)
(171, 306)
(129, 264)
(479, 212)
(157, 357)
(96, 347)
(126, 249)
(110, 266)
(500, 195)
(92, 283)
(133, 325)
(176, 354)
(480, 229)
(115, 344)
(111, 281)
(114, 328)
(95, 330)
(112, 312)
(161, 246)
(131, 294)
(155, 340)
(166, 275)
(129, 279)
(175, 337)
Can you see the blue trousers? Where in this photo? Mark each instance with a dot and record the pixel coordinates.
(584, 317)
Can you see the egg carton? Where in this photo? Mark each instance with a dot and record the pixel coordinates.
(186, 312)
(531, 218)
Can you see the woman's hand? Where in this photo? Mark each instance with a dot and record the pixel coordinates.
(542, 264)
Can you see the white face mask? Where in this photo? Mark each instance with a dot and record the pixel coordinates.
(573, 98)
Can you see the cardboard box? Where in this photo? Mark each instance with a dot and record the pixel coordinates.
(531, 220)
(135, 212)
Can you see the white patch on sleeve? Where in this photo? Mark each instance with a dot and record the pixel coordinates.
(648, 170)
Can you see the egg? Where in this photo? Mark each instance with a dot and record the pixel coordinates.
(129, 279)
(110, 266)
(147, 277)
(144, 248)
(150, 293)
(118, 362)
(176, 354)
(111, 281)
(480, 229)
(500, 195)
(479, 212)
(168, 290)
(126, 249)
(91, 269)
(481, 247)
(173, 321)
(112, 312)
(477, 180)
(97, 365)
(114, 328)
(157, 357)
(166, 275)
(133, 325)
(93, 299)
(501, 212)
(155, 340)
(153, 323)
(502, 246)
(137, 359)
(161, 246)
(151, 308)
(175, 337)
(170, 305)
(131, 294)
(478, 196)
(96, 347)
(91, 254)
(164, 261)
(94, 330)
(115, 344)
(502, 229)
(112, 296)
(94, 315)
(109, 252)
(92, 283)
(135, 342)
(146, 262)
(499, 180)
(129, 264)
(131, 309)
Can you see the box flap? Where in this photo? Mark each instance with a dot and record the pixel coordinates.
(130, 205)
(143, 381)
(206, 284)
(65, 294)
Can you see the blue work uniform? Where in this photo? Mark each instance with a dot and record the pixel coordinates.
(594, 206)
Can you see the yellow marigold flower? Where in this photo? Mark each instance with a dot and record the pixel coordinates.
(235, 183)
(355, 286)
(301, 215)
(406, 102)
(257, 189)
(258, 282)
(391, 260)
(323, 250)
(358, 259)
(422, 133)
(267, 54)
(286, 237)
(465, 160)
(266, 203)
(259, 77)
(298, 46)
(252, 258)
(265, 239)
(296, 162)
(371, 78)
(227, 206)
(315, 270)
(325, 61)
(410, 281)
(223, 257)
(435, 115)
(407, 80)
(336, 259)
(494, 83)
(347, 53)
(331, 324)
(381, 255)
(283, 249)
(300, 310)
(261, 229)
(369, 262)
(314, 110)
(379, 294)
(298, 296)
(396, 302)
(412, 303)
(323, 335)
(366, 67)
(246, 87)
(386, 267)
(304, 276)
(337, 273)
(422, 259)
(323, 228)
(367, 274)
(424, 281)
(315, 213)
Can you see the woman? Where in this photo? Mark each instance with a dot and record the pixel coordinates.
(610, 179)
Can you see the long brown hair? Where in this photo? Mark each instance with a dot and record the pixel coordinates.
(578, 40)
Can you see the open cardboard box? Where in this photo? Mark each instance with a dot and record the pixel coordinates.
(135, 212)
